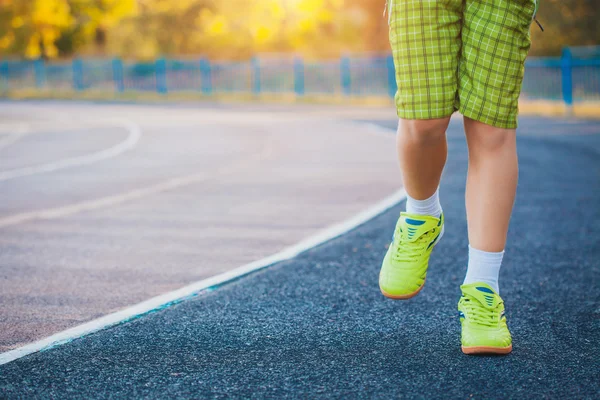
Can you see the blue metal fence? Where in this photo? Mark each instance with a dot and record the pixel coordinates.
(567, 78)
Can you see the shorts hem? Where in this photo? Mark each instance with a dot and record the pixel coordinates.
(424, 115)
(510, 123)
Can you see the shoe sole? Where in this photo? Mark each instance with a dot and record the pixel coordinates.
(486, 350)
(402, 296)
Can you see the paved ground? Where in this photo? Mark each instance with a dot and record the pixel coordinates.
(316, 326)
(200, 190)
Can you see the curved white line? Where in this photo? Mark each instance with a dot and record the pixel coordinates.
(13, 137)
(107, 201)
(194, 289)
(102, 202)
(134, 135)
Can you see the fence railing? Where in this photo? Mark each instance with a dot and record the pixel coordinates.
(565, 78)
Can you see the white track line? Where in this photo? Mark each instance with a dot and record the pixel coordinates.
(13, 137)
(134, 135)
(102, 202)
(176, 296)
(107, 201)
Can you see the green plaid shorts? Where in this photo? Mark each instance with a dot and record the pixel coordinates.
(460, 55)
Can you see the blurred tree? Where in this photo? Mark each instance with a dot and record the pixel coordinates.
(35, 28)
(31, 27)
(93, 19)
(159, 27)
(237, 29)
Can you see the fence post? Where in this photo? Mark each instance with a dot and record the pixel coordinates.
(4, 75)
(391, 73)
(345, 75)
(566, 66)
(161, 75)
(299, 76)
(117, 72)
(256, 75)
(77, 66)
(205, 76)
(40, 73)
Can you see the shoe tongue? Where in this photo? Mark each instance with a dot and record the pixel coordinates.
(483, 293)
(413, 226)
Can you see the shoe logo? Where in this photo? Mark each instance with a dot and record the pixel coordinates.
(414, 222)
(460, 314)
(411, 232)
(489, 298)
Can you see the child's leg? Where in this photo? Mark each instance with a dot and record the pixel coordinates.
(422, 152)
(496, 40)
(491, 184)
(425, 39)
(491, 188)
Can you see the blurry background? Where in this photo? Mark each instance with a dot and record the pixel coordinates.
(304, 49)
(237, 29)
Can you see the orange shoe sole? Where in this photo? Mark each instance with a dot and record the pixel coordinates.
(486, 350)
(404, 296)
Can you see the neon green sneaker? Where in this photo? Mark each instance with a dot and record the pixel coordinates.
(484, 329)
(405, 264)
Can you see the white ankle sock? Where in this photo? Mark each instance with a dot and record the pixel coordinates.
(430, 206)
(484, 267)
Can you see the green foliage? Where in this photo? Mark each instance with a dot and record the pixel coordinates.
(145, 29)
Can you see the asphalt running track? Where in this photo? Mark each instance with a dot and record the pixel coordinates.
(316, 326)
(107, 205)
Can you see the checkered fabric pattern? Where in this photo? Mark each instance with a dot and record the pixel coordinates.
(465, 55)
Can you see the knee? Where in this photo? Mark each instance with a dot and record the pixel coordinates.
(423, 131)
(490, 139)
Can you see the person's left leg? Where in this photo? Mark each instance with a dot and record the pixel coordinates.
(496, 40)
(490, 194)
(491, 187)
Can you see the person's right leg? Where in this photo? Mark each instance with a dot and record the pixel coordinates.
(425, 40)
(422, 152)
